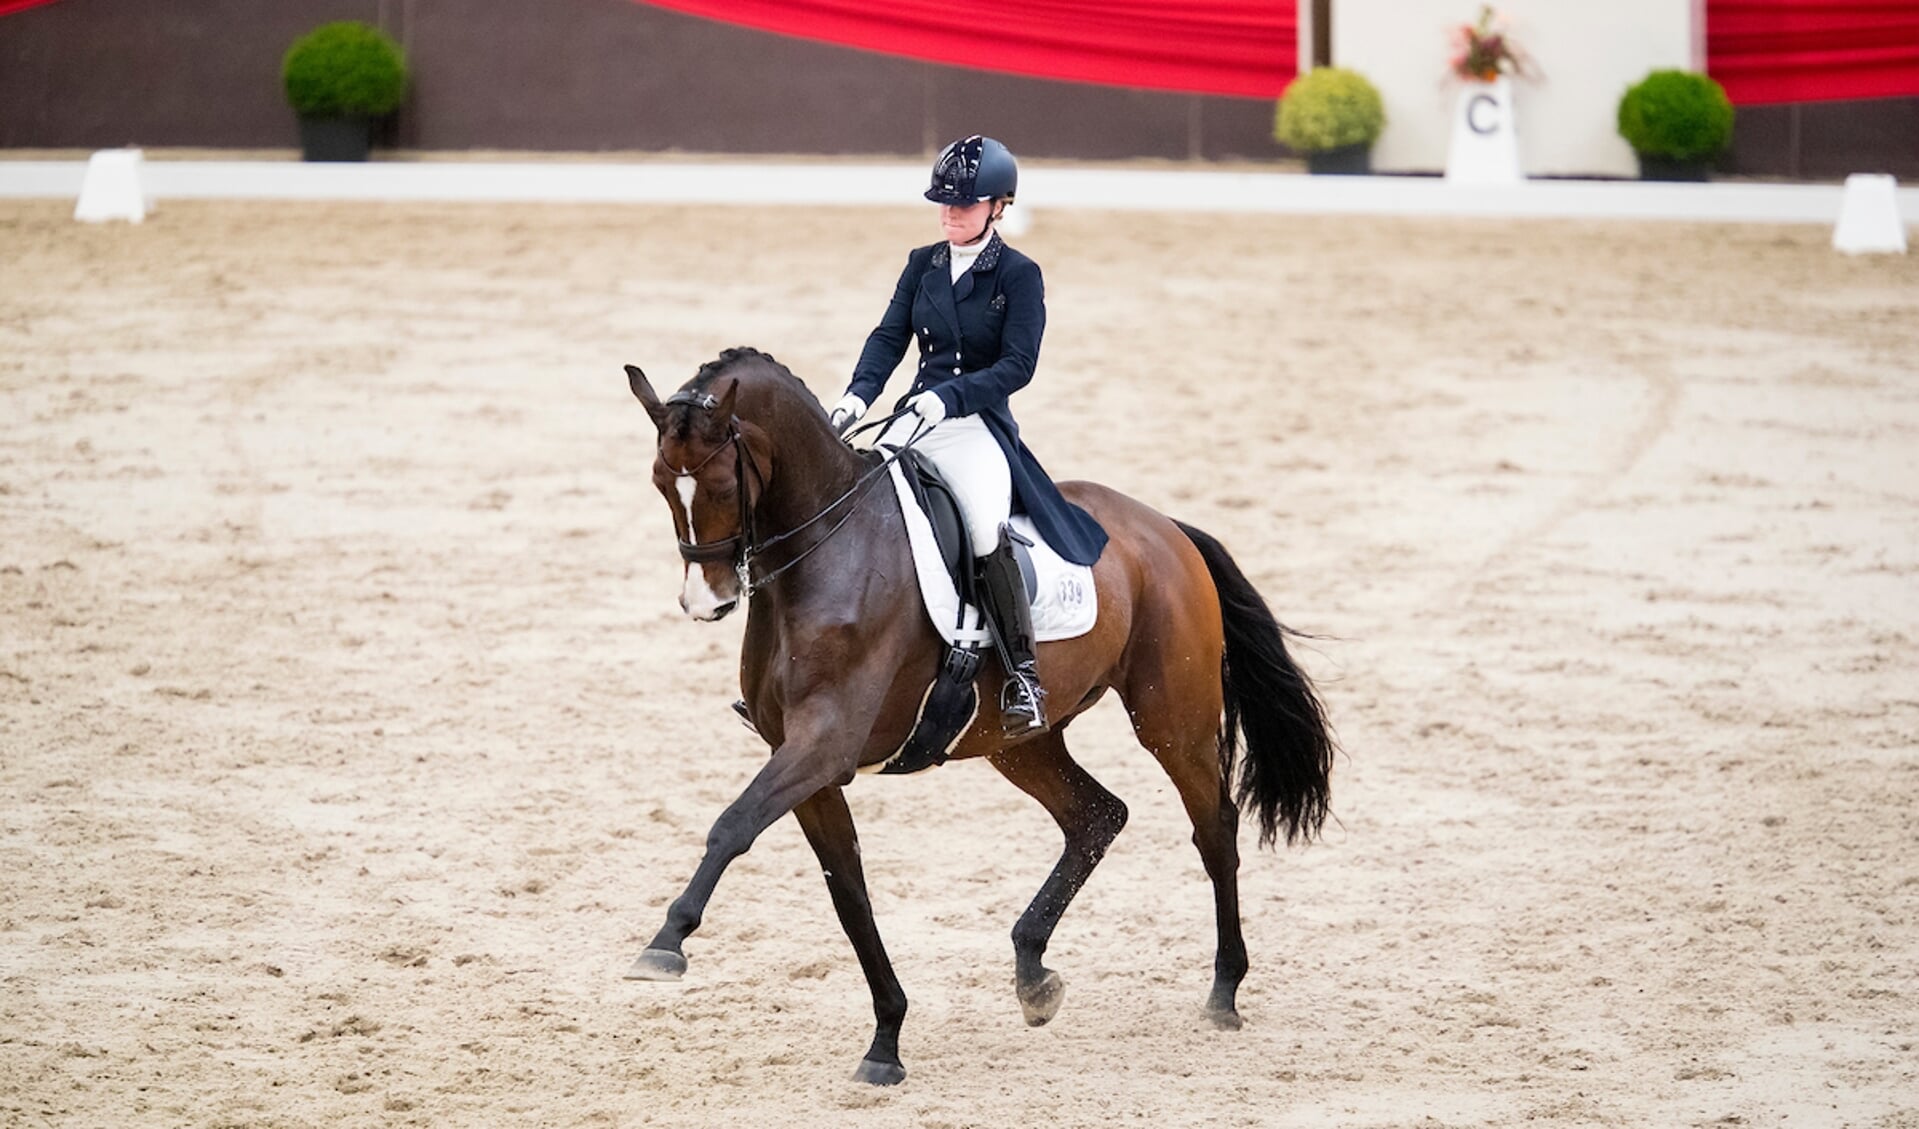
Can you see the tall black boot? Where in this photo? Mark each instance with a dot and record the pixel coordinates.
(1002, 592)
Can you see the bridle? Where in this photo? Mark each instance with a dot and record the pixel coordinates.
(744, 548)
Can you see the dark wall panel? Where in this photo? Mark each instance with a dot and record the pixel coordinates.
(1237, 129)
(1827, 140)
(100, 73)
(610, 74)
(1035, 116)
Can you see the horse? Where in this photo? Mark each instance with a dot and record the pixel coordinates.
(772, 507)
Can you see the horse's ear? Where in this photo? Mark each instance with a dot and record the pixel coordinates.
(643, 390)
(723, 409)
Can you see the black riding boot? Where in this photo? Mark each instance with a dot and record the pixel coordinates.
(1002, 591)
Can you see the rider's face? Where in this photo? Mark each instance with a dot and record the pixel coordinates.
(963, 223)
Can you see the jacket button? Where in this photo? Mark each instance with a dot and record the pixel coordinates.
(955, 370)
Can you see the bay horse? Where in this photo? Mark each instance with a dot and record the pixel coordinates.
(771, 507)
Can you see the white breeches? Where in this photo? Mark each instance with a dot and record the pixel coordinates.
(970, 460)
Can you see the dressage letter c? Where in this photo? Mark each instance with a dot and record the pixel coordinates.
(1472, 114)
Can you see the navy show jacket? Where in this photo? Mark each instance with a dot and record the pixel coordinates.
(979, 342)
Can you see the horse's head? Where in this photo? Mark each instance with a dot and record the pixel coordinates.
(704, 470)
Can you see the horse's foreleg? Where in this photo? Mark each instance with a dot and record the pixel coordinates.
(1091, 818)
(796, 771)
(829, 828)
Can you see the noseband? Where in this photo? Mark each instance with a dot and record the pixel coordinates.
(744, 548)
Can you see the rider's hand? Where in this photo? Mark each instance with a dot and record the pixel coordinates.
(847, 412)
(929, 407)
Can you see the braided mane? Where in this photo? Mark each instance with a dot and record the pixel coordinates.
(740, 356)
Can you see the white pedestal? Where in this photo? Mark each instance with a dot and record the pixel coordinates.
(1869, 220)
(112, 189)
(1485, 145)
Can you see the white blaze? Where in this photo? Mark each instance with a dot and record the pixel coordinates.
(686, 483)
(696, 596)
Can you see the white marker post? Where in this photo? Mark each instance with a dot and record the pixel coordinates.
(1869, 220)
(1485, 145)
(112, 189)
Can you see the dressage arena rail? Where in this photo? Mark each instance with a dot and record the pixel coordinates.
(866, 184)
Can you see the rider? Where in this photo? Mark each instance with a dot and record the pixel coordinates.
(977, 309)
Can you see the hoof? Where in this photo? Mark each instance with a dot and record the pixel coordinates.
(875, 1073)
(657, 964)
(1228, 1020)
(1041, 1001)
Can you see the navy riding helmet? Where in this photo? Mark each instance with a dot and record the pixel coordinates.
(972, 170)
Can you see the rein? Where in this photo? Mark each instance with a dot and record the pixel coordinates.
(744, 548)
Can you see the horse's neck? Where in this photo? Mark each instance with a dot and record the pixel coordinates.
(811, 469)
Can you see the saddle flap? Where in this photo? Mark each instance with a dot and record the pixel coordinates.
(1065, 603)
(941, 506)
(940, 503)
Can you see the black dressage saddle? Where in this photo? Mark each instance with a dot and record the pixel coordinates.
(937, 499)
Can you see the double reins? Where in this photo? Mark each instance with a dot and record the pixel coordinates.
(745, 548)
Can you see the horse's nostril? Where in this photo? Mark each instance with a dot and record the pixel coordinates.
(725, 609)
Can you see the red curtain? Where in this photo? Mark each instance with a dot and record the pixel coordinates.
(1235, 47)
(1813, 50)
(8, 7)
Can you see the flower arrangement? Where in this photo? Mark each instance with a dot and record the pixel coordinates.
(1483, 50)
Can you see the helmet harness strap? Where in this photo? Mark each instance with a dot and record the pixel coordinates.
(995, 212)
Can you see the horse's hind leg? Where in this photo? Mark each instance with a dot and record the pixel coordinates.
(1179, 725)
(1090, 817)
(829, 828)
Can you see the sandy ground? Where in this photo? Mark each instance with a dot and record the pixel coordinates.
(351, 742)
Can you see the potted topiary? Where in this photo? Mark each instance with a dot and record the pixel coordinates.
(1332, 115)
(1678, 122)
(339, 77)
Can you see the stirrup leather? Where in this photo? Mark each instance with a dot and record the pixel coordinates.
(1009, 615)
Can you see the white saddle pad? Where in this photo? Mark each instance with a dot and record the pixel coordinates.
(1065, 605)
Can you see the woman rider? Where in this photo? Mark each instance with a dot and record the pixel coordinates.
(977, 309)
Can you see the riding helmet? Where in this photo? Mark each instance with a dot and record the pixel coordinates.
(972, 170)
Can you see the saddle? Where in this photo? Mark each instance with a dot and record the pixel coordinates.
(941, 506)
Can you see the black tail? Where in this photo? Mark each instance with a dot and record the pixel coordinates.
(1289, 748)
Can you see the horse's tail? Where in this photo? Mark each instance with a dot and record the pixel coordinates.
(1289, 747)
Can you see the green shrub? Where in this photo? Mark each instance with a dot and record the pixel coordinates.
(1676, 114)
(345, 69)
(1329, 108)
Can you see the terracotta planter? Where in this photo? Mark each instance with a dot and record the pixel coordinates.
(335, 139)
(1347, 160)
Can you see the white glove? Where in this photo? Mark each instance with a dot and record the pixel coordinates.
(929, 407)
(847, 412)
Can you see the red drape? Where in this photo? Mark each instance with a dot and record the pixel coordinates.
(1235, 47)
(1813, 50)
(7, 7)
